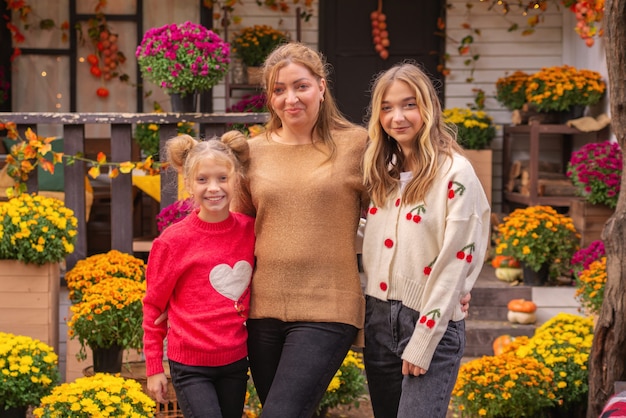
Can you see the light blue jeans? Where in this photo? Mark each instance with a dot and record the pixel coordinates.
(388, 327)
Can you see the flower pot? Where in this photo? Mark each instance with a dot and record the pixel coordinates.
(255, 75)
(15, 412)
(107, 359)
(574, 112)
(589, 220)
(184, 104)
(237, 71)
(536, 278)
(29, 300)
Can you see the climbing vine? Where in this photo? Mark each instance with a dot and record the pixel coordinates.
(34, 150)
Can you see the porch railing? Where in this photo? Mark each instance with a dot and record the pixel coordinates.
(211, 124)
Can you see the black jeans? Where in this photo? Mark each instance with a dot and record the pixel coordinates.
(389, 326)
(292, 363)
(210, 392)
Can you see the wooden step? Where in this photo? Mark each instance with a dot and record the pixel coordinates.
(480, 335)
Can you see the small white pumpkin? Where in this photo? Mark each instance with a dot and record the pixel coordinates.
(509, 274)
(521, 317)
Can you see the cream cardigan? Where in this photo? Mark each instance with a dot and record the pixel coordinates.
(429, 254)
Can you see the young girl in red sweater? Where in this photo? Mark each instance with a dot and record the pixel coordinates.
(199, 270)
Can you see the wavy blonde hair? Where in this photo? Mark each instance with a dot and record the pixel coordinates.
(384, 161)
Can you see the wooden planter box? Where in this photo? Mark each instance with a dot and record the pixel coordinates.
(589, 220)
(482, 162)
(29, 300)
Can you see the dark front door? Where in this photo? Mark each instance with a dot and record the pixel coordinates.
(346, 40)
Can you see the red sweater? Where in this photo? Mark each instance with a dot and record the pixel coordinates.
(200, 272)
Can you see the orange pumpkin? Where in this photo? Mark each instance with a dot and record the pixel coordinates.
(504, 261)
(522, 305)
(500, 343)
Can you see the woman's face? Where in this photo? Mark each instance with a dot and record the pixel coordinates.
(297, 96)
(399, 115)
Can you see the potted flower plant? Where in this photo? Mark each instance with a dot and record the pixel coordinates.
(91, 270)
(537, 236)
(28, 371)
(475, 129)
(109, 316)
(100, 395)
(347, 386)
(596, 171)
(249, 103)
(524, 385)
(36, 234)
(582, 259)
(590, 284)
(563, 343)
(183, 58)
(536, 376)
(147, 136)
(173, 213)
(511, 90)
(560, 88)
(36, 229)
(254, 43)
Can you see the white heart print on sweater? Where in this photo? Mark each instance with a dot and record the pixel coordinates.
(231, 282)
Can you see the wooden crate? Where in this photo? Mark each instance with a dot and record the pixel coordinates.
(482, 162)
(29, 300)
(589, 220)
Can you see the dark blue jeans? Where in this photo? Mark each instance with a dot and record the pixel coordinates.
(292, 363)
(210, 392)
(388, 327)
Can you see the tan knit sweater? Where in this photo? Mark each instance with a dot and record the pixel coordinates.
(307, 212)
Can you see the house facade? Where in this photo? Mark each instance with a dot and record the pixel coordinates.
(53, 75)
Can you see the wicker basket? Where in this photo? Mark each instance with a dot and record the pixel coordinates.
(136, 370)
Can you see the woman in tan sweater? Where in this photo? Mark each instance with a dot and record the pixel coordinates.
(304, 186)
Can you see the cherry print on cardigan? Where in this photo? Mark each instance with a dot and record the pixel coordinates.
(461, 254)
(429, 267)
(397, 202)
(373, 210)
(455, 188)
(430, 318)
(388, 243)
(416, 217)
(383, 286)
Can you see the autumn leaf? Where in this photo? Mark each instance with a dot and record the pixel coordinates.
(126, 167)
(94, 172)
(114, 172)
(101, 158)
(46, 165)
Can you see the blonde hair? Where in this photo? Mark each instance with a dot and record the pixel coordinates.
(184, 153)
(329, 116)
(384, 160)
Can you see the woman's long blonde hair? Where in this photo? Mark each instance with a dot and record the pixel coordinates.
(384, 160)
(329, 117)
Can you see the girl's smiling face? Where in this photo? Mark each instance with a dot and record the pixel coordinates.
(212, 188)
(400, 117)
